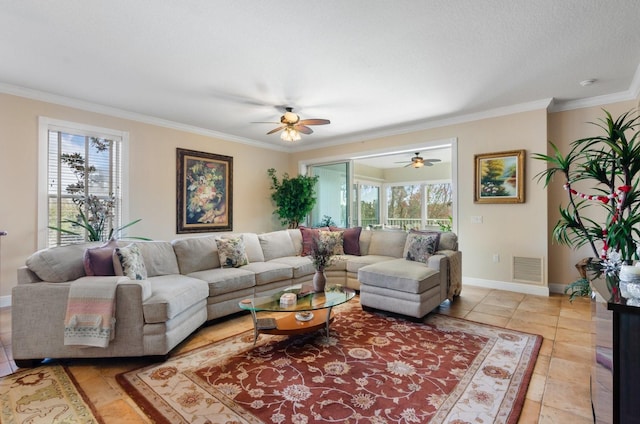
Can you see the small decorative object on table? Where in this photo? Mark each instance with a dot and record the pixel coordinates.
(288, 299)
(304, 316)
(630, 284)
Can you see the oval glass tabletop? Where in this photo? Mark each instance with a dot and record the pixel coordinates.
(304, 299)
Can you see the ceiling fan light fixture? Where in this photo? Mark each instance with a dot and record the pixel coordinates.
(418, 164)
(290, 134)
(290, 117)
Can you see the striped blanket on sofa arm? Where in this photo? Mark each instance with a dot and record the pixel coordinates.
(91, 308)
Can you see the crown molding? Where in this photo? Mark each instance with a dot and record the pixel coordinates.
(550, 104)
(431, 124)
(633, 93)
(132, 116)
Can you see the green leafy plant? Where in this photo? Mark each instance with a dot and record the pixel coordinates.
(446, 225)
(326, 221)
(294, 197)
(610, 164)
(579, 288)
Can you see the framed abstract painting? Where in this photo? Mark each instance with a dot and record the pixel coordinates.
(204, 192)
(499, 177)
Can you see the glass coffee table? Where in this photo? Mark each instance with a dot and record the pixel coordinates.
(309, 311)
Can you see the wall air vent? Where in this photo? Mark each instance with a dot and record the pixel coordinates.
(528, 270)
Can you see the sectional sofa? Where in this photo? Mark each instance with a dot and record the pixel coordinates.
(186, 285)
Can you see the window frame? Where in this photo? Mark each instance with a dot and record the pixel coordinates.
(45, 125)
(357, 214)
(422, 184)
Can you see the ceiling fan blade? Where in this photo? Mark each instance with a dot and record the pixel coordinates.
(431, 160)
(275, 130)
(303, 129)
(314, 122)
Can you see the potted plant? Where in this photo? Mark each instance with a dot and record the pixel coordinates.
(294, 197)
(610, 164)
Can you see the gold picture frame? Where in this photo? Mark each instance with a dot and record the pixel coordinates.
(499, 177)
(204, 192)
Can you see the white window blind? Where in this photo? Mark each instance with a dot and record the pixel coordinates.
(80, 162)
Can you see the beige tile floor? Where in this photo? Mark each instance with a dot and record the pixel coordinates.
(558, 392)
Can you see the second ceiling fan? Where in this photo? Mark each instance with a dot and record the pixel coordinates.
(418, 161)
(291, 125)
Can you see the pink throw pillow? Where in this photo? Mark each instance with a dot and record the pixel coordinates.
(307, 238)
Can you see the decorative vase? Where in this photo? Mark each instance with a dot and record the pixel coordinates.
(319, 281)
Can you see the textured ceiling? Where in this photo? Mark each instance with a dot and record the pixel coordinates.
(372, 67)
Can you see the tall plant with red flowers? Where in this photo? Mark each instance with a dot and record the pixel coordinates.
(611, 164)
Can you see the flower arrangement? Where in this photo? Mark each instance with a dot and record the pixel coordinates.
(611, 162)
(322, 252)
(94, 213)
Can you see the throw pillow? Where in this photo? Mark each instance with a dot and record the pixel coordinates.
(351, 239)
(334, 240)
(307, 238)
(99, 260)
(128, 261)
(232, 252)
(420, 246)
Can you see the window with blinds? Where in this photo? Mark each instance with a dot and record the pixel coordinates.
(81, 165)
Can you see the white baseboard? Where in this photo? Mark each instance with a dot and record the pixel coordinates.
(557, 288)
(5, 301)
(504, 285)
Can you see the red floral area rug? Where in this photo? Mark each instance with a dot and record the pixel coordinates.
(372, 369)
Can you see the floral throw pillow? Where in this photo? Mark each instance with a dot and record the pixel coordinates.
(420, 247)
(232, 252)
(128, 261)
(334, 240)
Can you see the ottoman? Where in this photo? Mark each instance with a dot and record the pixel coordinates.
(404, 287)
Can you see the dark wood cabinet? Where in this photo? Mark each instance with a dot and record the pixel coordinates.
(615, 377)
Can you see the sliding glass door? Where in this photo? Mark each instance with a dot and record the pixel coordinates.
(333, 194)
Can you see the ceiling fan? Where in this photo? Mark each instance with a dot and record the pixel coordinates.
(293, 125)
(418, 162)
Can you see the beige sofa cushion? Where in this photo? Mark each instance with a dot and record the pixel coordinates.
(60, 264)
(196, 254)
(387, 243)
(301, 265)
(269, 272)
(251, 246)
(277, 244)
(226, 280)
(401, 275)
(448, 241)
(354, 263)
(171, 295)
(296, 238)
(159, 258)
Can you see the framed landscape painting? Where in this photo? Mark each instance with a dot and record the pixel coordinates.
(499, 177)
(204, 192)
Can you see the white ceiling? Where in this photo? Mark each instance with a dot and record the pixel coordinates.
(372, 67)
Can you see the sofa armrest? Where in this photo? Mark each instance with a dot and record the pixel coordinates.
(437, 262)
(37, 322)
(26, 276)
